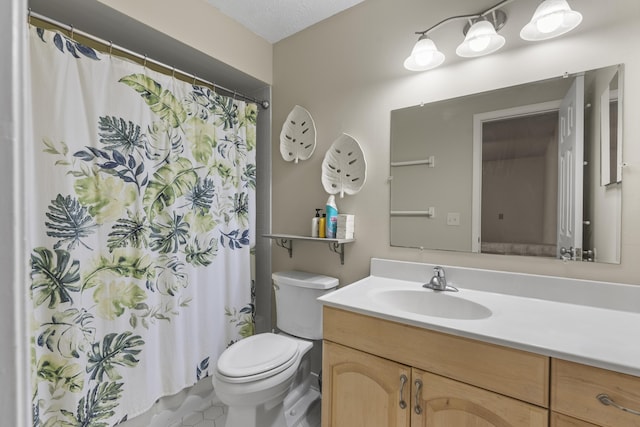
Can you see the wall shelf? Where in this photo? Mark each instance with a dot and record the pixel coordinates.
(286, 241)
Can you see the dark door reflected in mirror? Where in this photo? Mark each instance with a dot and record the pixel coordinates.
(519, 200)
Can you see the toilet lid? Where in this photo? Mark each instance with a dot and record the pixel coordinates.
(259, 355)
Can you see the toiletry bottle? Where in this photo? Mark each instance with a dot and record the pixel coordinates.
(315, 223)
(332, 217)
(322, 226)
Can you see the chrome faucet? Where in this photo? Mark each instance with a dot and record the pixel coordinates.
(439, 281)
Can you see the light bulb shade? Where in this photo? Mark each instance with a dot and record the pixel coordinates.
(551, 19)
(481, 39)
(424, 56)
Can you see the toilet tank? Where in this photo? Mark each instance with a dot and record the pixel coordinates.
(297, 310)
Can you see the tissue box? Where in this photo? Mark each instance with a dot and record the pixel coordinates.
(346, 225)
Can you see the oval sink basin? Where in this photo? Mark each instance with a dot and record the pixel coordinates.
(430, 303)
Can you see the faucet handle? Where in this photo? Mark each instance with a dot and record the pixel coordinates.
(438, 271)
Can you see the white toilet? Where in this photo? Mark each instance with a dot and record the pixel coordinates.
(266, 379)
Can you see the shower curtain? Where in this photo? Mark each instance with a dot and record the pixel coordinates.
(141, 193)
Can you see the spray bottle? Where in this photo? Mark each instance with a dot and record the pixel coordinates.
(332, 217)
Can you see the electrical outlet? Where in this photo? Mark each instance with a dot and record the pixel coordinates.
(453, 218)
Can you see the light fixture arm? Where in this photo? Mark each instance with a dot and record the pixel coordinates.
(496, 7)
(468, 17)
(444, 21)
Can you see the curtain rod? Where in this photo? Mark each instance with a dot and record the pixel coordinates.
(263, 103)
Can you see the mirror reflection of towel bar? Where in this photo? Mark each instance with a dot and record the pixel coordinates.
(428, 213)
(431, 162)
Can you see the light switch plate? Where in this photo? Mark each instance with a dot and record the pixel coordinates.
(453, 218)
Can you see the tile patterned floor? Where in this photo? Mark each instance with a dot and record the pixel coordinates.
(202, 408)
(215, 416)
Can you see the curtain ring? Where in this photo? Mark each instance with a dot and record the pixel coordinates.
(173, 73)
(110, 47)
(194, 79)
(29, 17)
(72, 30)
(144, 61)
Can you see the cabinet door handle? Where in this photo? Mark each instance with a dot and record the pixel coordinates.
(417, 408)
(607, 401)
(403, 382)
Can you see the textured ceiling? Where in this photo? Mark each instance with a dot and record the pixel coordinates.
(275, 20)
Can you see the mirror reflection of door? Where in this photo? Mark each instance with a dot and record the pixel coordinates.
(570, 171)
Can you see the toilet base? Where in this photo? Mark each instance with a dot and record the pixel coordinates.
(305, 412)
(239, 416)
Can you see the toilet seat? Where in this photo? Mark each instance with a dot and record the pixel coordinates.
(257, 357)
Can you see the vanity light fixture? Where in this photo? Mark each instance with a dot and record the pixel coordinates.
(424, 56)
(552, 18)
(482, 37)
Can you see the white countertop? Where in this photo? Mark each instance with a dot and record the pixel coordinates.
(601, 337)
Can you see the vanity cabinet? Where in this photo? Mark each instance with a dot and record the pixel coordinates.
(580, 395)
(452, 381)
(365, 390)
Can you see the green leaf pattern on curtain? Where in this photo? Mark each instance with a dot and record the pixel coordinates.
(144, 208)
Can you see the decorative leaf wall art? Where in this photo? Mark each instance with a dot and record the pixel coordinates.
(298, 135)
(344, 168)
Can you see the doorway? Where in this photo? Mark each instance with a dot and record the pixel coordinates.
(515, 180)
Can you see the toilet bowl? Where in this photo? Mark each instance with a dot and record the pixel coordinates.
(265, 379)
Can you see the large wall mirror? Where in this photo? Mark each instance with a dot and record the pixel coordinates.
(531, 170)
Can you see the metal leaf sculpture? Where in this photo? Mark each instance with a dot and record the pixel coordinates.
(298, 135)
(344, 168)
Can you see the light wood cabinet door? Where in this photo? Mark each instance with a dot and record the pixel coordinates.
(447, 403)
(361, 390)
